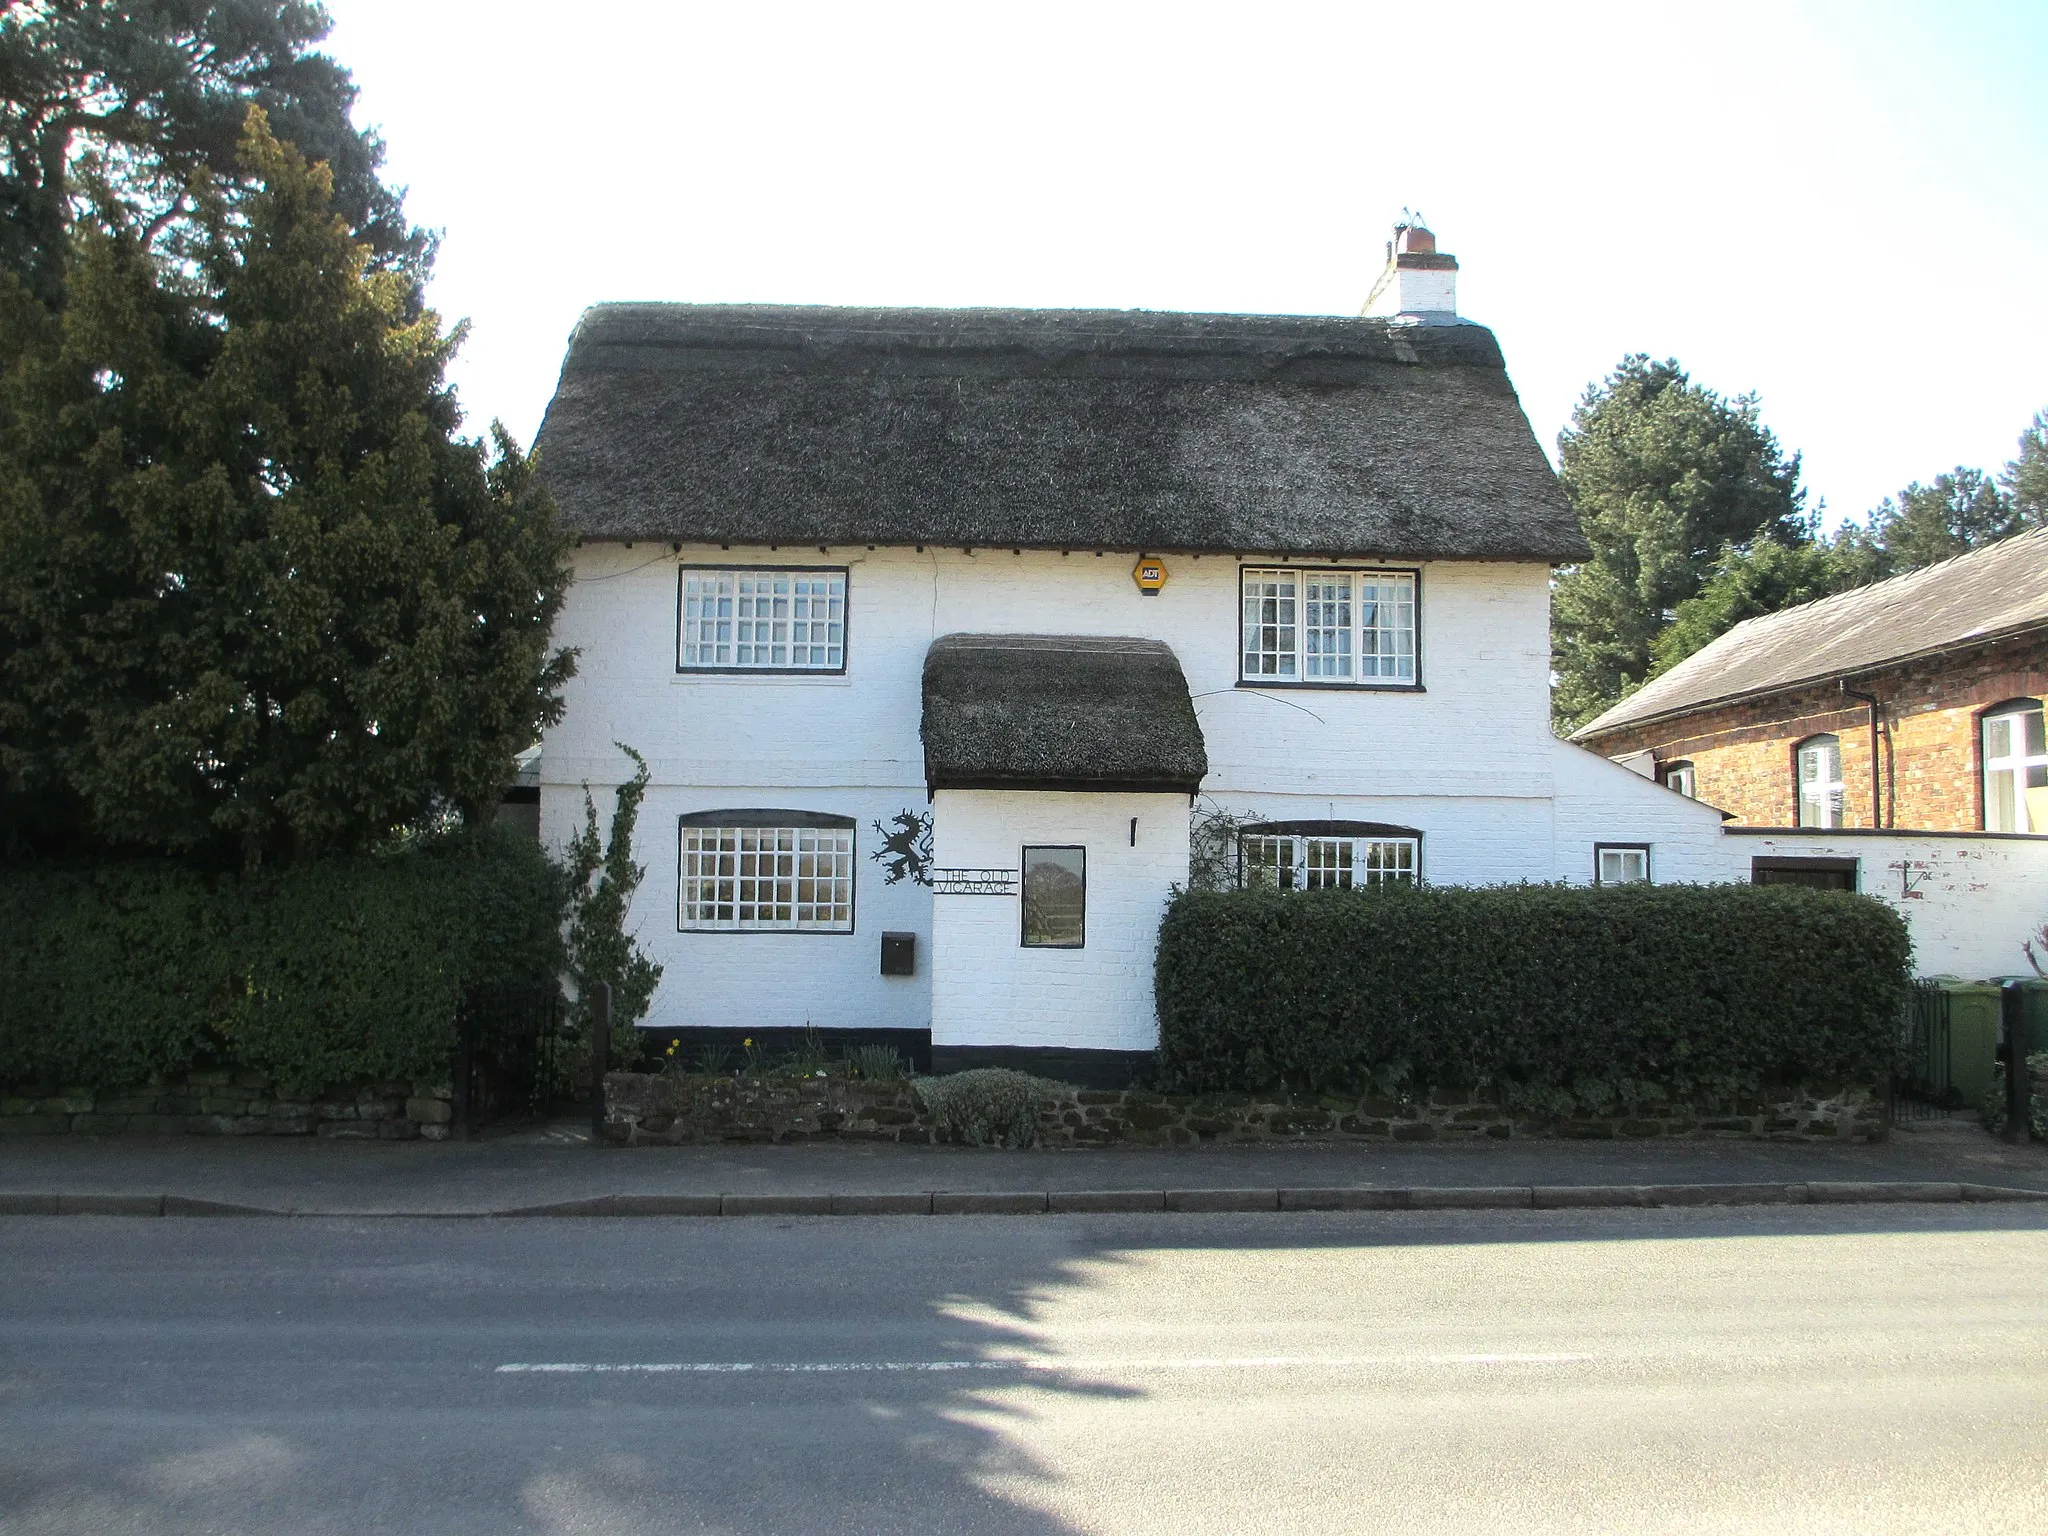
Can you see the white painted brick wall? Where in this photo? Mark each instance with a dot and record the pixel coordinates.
(1418, 291)
(832, 980)
(1969, 901)
(1482, 721)
(1470, 760)
(987, 988)
(1599, 801)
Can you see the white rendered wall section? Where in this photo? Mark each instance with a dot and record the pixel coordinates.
(1468, 760)
(1417, 291)
(987, 988)
(1970, 902)
(1599, 801)
(756, 980)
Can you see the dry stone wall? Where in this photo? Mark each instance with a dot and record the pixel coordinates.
(680, 1110)
(230, 1102)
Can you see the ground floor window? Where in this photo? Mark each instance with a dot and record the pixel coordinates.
(789, 879)
(1621, 863)
(1820, 873)
(1326, 861)
(1055, 898)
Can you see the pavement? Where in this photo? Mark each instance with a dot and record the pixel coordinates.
(1861, 1368)
(555, 1170)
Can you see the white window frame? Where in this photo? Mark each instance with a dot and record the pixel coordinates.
(1680, 779)
(1300, 861)
(2019, 767)
(761, 618)
(1817, 782)
(1623, 855)
(764, 879)
(1329, 627)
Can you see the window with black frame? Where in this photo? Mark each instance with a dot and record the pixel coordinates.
(1055, 898)
(1327, 856)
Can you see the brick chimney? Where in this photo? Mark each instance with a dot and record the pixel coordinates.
(1420, 283)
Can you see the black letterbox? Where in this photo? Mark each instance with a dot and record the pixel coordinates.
(899, 954)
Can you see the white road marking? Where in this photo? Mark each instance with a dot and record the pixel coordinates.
(855, 1367)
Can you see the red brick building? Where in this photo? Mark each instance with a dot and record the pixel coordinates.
(1915, 704)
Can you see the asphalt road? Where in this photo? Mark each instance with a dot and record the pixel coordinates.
(1863, 1369)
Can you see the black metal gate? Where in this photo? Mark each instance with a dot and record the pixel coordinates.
(509, 1046)
(1921, 1089)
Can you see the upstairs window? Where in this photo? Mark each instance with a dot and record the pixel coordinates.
(1327, 628)
(1678, 778)
(1327, 858)
(751, 619)
(1818, 775)
(2015, 768)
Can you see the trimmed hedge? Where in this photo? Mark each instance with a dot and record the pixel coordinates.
(330, 973)
(1555, 996)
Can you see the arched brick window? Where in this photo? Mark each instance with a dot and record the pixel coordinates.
(1817, 781)
(2015, 767)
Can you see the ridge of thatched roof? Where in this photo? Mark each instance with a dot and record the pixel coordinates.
(1048, 429)
(1970, 599)
(1088, 712)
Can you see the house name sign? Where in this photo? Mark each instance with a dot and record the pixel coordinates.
(974, 882)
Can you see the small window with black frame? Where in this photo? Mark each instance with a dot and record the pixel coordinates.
(1055, 898)
(1621, 863)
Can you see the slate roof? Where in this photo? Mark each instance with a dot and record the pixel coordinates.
(1999, 590)
(1048, 429)
(1058, 712)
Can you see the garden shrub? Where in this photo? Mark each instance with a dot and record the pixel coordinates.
(328, 973)
(985, 1107)
(1991, 1112)
(1556, 997)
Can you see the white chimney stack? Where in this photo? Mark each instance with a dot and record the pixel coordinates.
(1420, 283)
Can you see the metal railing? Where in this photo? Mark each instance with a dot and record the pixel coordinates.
(1921, 1088)
(509, 1049)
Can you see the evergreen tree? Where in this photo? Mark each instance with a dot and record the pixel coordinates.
(2025, 479)
(1959, 512)
(256, 597)
(1748, 581)
(148, 93)
(1664, 475)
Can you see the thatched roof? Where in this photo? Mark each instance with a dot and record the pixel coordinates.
(1048, 429)
(1989, 593)
(1058, 712)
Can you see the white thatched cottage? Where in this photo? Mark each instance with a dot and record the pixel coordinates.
(1063, 588)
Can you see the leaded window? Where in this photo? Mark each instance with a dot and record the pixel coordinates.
(1328, 627)
(751, 619)
(1271, 628)
(766, 879)
(1312, 862)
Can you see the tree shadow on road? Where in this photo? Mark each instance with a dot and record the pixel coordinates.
(323, 1376)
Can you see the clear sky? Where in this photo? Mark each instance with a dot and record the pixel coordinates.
(1842, 207)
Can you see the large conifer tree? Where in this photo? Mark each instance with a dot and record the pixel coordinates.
(148, 93)
(1664, 474)
(257, 599)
